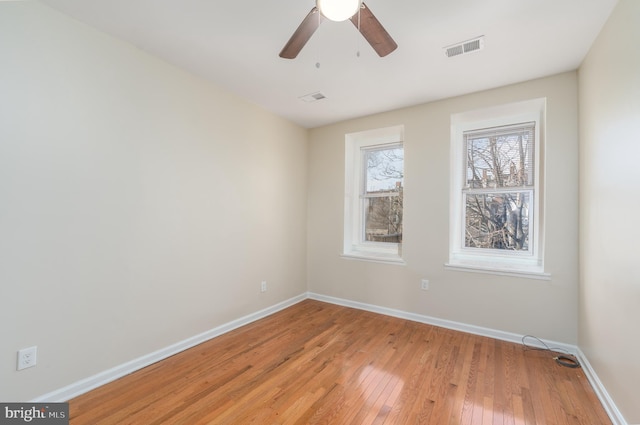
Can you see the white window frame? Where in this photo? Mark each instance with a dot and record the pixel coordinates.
(528, 264)
(354, 246)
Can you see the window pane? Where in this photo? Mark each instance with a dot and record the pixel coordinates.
(497, 221)
(383, 218)
(385, 169)
(500, 157)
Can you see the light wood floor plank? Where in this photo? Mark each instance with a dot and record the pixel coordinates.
(318, 363)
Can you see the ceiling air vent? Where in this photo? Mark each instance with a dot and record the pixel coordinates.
(312, 97)
(465, 47)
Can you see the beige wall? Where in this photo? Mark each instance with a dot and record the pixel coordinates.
(547, 309)
(609, 305)
(139, 205)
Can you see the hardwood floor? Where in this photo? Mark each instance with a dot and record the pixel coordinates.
(318, 363)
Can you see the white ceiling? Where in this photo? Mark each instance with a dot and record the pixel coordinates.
(235, 44)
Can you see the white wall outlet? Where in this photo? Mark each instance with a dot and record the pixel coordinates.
(424, 284)
(27, 357)
(263, 286)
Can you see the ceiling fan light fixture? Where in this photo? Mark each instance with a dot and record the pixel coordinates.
(338, 10)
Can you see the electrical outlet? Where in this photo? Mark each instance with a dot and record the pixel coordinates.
(263, 286)
(27, 357)
(424, 284)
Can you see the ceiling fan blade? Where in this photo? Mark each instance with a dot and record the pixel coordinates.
(301, 35)
(374, 32)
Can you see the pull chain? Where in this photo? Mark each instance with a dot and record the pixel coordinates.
(358, 42)
(318, 44)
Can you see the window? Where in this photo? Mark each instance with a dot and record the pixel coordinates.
(498, 188)
(496, 200)
(374, 193)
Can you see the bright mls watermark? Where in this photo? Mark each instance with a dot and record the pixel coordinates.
(34, 413)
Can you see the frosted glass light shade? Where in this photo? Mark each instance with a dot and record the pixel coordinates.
(338, 10)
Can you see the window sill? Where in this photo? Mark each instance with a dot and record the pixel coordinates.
(527, 273)
(374, 257)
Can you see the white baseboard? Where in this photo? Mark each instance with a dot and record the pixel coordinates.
(607, 402)
(95, 381)
(448, 324)
(604, 397)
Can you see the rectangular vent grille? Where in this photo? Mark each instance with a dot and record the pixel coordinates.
(464, 47)
(312, 97)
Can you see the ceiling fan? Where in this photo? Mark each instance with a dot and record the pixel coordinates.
(340, 10)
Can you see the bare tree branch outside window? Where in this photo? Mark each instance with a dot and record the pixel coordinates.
(383, 194)
(498, 193)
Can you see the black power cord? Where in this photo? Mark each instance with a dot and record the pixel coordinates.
(565, 359)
